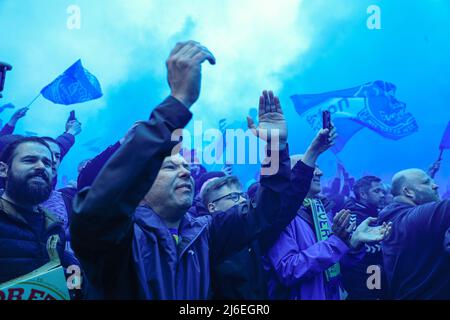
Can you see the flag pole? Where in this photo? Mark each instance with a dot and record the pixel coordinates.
(337, 158)
(33, 100)
(440, 153)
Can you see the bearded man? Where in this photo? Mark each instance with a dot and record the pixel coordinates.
(26, 168)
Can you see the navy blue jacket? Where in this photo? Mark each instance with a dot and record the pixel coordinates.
(23, 248)
(355, 277)
(416, 264)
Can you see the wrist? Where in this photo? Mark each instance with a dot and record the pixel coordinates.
(353, 243)
(182, 99)
(310, 157)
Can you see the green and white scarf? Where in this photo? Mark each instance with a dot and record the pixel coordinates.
(323, 230)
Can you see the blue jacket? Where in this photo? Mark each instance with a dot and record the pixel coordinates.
(416, 264)
(127, 252)
(297, 261)
(22, 247)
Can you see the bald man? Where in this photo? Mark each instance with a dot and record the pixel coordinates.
(416, 264)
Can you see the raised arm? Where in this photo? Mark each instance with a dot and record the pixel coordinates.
(11, 125)
(103, 213)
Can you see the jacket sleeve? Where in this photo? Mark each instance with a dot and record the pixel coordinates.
(66, 142)
(447, 241)
(93, 167)
(434, 218)
(7, 129)
(292, 265)
(291, 200)
(103, 212)
(231, 231)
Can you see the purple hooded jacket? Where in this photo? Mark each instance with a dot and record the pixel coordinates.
(297, 261)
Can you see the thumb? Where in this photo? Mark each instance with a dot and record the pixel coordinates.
(370, 220)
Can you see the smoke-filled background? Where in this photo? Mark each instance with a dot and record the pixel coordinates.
(290, 46)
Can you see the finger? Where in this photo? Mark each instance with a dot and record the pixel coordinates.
(271, 102)
(337, 217)
(277, 105)
(343, 217)
(201, 56)
(191, 51)
(323, 133)
(266, 101)
(177, 48)
(351, 227)
(261, 110)
(346, 221)
(332, 136)
(181, 54)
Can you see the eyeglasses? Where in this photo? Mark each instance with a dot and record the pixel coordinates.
(234, 196)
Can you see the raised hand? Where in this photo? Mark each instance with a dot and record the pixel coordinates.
(365, 233)
(324, 140)
(17, 115)
(73, 127)
(271, 120)
(227, 169)
(184, 72)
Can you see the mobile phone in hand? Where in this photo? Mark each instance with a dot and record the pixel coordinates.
(326, 119)
(326, 123)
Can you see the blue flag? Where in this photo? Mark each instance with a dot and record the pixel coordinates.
(372, 105)
(75, 85)
(445, 142)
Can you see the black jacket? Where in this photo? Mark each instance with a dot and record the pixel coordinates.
(242, 276)
(355, 277)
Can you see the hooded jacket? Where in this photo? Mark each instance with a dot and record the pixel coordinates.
(297, 261)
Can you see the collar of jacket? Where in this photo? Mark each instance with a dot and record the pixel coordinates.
(13, 211)
(367, 211)
(189, 230)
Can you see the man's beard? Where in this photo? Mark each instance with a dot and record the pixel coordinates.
(24, 191)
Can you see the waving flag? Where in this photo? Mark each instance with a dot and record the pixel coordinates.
(372, 105)
(75, 85)
(445, 142)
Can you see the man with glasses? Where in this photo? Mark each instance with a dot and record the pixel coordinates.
(240, 277)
